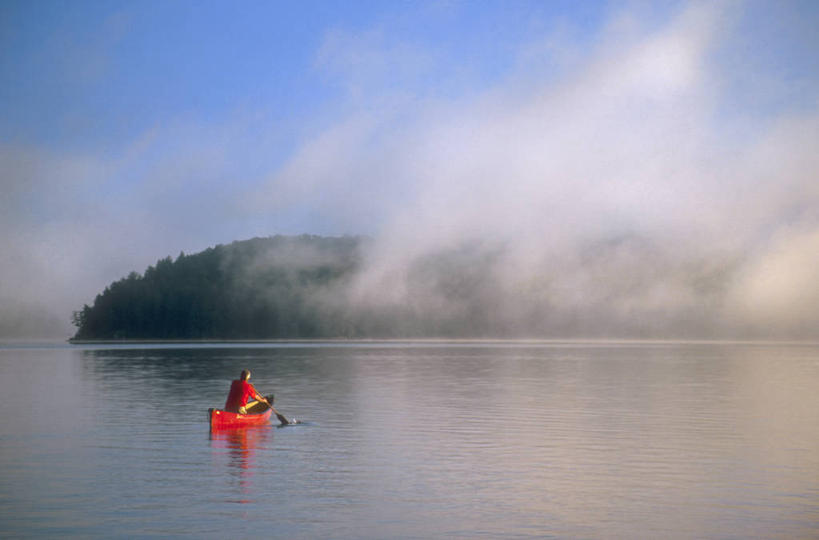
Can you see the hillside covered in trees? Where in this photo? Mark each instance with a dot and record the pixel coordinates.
(353, 287)
(303, 287)
(259, 288)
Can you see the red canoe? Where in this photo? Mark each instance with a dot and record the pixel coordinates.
(258, 413)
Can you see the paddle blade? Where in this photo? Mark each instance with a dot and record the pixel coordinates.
(282, 419)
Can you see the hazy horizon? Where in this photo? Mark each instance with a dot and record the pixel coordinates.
(637, 167)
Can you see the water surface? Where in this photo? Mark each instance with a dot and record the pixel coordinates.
(414, 440)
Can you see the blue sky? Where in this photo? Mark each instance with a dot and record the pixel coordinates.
(134, 130)
(93, 74)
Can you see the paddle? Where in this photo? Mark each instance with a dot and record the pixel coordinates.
(282, 419)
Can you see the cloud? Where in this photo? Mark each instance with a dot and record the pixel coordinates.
(776, 293)
(610, 194)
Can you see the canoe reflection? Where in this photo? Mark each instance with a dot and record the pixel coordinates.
(240, 446)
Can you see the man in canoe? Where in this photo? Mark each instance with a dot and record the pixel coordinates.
(241, 391)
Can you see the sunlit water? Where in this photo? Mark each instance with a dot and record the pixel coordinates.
(424, 440)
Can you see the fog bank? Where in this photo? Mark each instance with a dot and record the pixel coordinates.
(615, 200)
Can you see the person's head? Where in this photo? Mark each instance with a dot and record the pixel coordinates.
(245, 375)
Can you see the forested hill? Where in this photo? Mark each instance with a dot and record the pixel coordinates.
(260, 288)
(351, 287)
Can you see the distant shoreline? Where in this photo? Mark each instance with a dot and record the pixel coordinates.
(389, 343)
(442, 340)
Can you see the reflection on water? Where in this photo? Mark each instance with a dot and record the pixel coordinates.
(239, 445)
(500, 440)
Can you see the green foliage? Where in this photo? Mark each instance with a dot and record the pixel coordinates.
(254, 289)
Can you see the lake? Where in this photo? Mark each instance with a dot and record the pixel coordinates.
(554, 439)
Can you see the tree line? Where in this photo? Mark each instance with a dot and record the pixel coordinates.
(263, 288)
(312, 287)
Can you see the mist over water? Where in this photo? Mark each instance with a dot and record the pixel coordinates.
(610, 201)
(628, 286)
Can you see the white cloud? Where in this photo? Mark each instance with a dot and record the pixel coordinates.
(629, 142)
(777, 291)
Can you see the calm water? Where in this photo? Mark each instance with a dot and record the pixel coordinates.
(426, 440)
